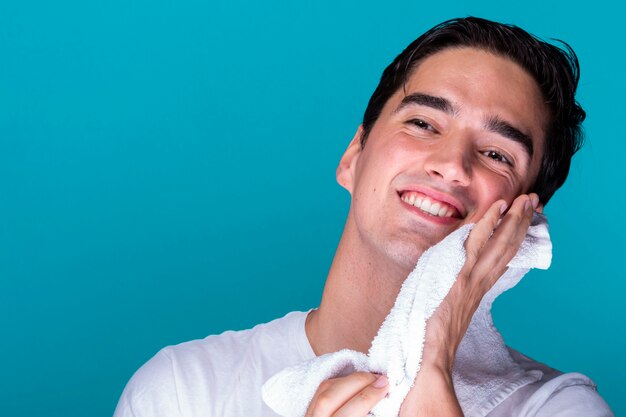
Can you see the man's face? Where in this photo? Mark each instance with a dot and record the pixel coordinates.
(467, 130)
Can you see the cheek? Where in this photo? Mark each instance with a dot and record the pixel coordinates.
(491, 189)
(368, 185)
(380, 162)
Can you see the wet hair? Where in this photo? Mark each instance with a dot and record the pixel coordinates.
(555, 69)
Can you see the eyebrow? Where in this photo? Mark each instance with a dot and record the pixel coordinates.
(494, 123)
(420, 99)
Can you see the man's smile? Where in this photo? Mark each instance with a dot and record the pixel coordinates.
(434, 207)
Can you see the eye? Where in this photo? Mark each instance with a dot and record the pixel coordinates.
(498, 157)
(421, 124)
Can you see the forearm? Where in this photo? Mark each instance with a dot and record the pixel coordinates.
(432, 395)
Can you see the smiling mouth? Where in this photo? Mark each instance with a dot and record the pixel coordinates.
(429, 205)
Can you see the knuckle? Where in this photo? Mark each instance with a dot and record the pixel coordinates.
(323, 404)
(512, 249)
(471, 254)
(327, 383)
(365, 396)
(516, 216)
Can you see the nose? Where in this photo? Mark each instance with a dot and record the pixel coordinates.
(450, 161)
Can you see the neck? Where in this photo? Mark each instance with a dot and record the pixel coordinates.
(360, 290)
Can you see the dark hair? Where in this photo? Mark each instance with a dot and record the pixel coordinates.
(555, 70)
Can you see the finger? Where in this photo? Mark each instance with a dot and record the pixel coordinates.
(363, 402)
(538, 206)
(344, 386)
(483, 229)
(534, 198)
(505, 242)
(333, 393)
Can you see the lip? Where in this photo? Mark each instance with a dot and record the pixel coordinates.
(436, 195)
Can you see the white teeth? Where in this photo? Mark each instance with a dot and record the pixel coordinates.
(425, 204)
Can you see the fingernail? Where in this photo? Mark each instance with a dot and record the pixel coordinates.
(503, 208)
(380, 382)
(526, 205)
(535, 201)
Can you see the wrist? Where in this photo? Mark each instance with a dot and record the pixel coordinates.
(438, 359)
(436, 372)
(432, 394)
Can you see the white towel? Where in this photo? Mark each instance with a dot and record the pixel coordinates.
(484, 373)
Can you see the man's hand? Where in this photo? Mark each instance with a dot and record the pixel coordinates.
(491, 245)
(353, 395)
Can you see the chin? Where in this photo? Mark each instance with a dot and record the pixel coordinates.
(405, 255)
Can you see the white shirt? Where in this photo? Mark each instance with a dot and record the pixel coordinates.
(222, 376)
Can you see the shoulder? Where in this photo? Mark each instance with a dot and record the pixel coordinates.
(263, 347)
(570, 394)
(190, 377)
(556, 394)
(147, 394)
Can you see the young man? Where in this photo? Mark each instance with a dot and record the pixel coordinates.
(475, 122)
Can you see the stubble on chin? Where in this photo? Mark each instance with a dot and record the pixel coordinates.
(404, 255)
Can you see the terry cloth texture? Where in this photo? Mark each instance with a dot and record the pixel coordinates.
(484, 374)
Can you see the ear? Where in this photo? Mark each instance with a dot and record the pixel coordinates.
(347, 164)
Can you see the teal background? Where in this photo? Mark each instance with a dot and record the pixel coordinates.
(167, 172)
